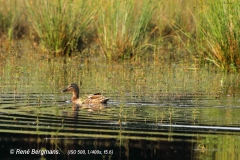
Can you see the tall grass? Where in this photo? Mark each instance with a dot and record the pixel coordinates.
(127, 29)
(12, 19)
(7, 17)
(60, 23)
(218, 33)
(172, 15)
(122, 27)
(173, 21)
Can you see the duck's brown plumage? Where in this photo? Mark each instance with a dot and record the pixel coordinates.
(96, 98)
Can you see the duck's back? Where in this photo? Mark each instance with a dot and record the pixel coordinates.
(96, 98)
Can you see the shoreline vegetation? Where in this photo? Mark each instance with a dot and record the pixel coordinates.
(197, 32)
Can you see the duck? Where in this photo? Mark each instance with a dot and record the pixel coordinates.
(92, 99)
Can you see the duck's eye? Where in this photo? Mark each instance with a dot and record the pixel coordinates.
(70, 87)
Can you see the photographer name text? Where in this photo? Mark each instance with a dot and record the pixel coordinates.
(33, 151)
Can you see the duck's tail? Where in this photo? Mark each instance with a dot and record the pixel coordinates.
(104, 100)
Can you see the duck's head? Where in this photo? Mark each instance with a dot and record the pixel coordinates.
(74, 89)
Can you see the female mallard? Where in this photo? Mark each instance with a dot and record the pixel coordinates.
(96, 98)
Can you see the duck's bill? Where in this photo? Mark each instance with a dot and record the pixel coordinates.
(65, 90)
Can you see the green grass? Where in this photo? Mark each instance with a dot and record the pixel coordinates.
(12, 20)
(122, 27)
(59, 24)
(7, 14)
(188, 31)
(218, 35)
(173, 21)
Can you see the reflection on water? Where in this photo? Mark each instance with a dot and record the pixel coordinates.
(154, 112)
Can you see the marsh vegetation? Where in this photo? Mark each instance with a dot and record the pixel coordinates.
(199, 32)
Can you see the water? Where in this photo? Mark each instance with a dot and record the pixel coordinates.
(156, 111)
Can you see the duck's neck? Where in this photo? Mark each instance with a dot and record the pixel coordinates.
(75, 95)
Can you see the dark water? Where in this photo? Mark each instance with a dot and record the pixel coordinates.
(156, 111)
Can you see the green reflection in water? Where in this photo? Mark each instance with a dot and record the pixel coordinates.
(147, 103)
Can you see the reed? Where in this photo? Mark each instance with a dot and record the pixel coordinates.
(7, 18)
(173, 15)
(122, 28)
(218, 33)
(12, 20)
(129, 29)
(174, 21)
(59, 23)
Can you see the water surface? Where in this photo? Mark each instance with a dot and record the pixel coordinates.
(156, 110)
